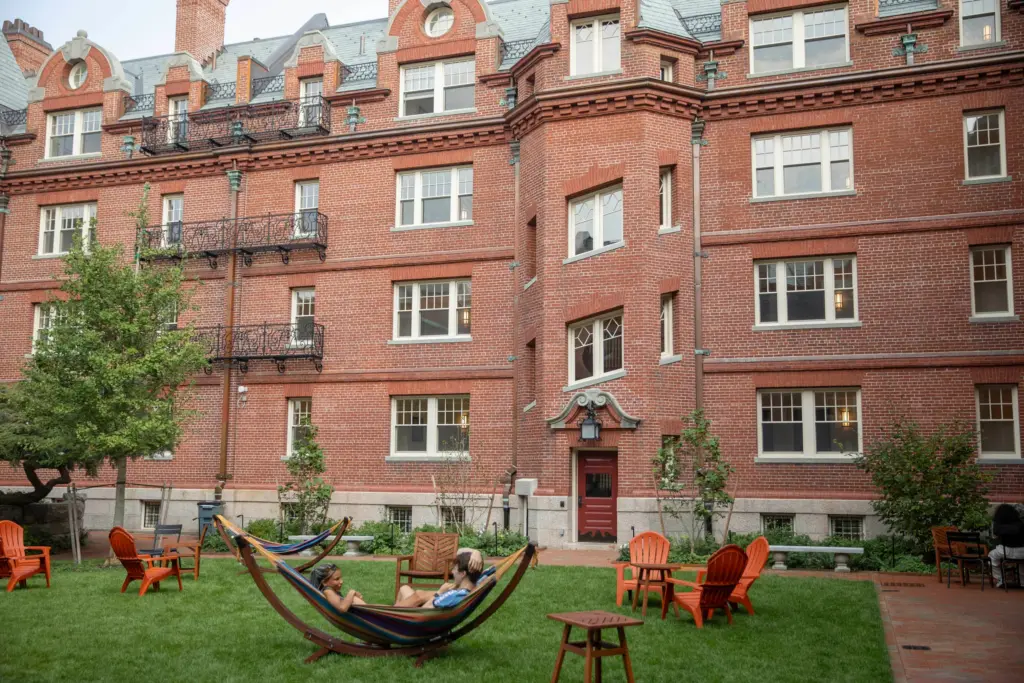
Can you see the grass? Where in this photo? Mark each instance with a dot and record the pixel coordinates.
(222, 629)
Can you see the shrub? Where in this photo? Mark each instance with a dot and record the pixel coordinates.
(213, 543)
(267, 529)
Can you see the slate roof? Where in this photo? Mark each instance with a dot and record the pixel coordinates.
(13, 88)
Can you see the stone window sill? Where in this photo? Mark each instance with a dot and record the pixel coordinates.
(429, 226)
(808, 195)
(435, 114)
(806, 326)
(596, 74)
(416, 457)
(1001, 460)
(981, 46)
(71, 157)
(801, 70)
(670, 230)
(42, 257)
(530, 283)
(594, 252)
(979, 319)
(591, 381)
(669, 360)
(806, 460)
(986, 181)
(430, 340)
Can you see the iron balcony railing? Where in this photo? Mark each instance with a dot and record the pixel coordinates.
(139, 102)
(704, 24)
(888, 8)
(514, 50)
(270, 84)
(281, 233)
(365, 71)
(220, 91)
(236, 125)
(277, 342)
(12, 118)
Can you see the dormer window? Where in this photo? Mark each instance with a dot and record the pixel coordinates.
(72, 133)
(439, 22)
(79, 72)
(441, 87)
(596, 45)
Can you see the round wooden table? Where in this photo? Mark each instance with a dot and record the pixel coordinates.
(644, 581)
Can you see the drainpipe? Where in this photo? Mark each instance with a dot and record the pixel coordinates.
(4, 210)
(235, 184)
(516, 299)
(697, 139)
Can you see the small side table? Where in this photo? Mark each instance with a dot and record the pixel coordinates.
(593, 649)
(644, 581)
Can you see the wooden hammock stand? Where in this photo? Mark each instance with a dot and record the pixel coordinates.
(302, 568)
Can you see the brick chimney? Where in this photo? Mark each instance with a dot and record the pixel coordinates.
(27, 45)
(199, 27)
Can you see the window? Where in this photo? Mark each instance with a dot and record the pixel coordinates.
(307, 203)
(174, 208)
(60, 224)
(300, 416)
(665, 198)
(771, 523)
(429, 427)
(433, 309)
(991, 278)
(666, 326)
(437, 196)
(821, 422)
(851, 528)
(400, 516)
(45, 315)
(310, 101)
(816, 291)
(438, 87)
(803, 163)
(79, 72)
(801, 40)
(595, 45)
(150, 514)
(452, 516)
(667, 72)
(74, 132)
(595, 348)
(998, 421)
(170, 318)
(979, 22)
(177, 120)
(439, 22)
(983, 145)
(303, 317)
(595, 221)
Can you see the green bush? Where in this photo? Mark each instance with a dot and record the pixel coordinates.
(401, 543)
(267, 529)
(55, 543)
(213, 543)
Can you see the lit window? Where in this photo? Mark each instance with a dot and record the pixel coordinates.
(439, 22)
(595, 45)
(439, 87)
(809, 422)
(150, 514)
(307, 204)
(667, 72)
(979, 22)
(850, 528)
(60, 224)
(400, 516)
(303, 317)
(991, 277)
(595, 221)
(595, 348)
(79, 72)
(803, 163)
(770, 523)
(311, 103)
(665, 198)
(666, 326)
(429, 426)
(300, 416)
(799, 40)
(174, 209)
(983, 145)
(435, 197)
(74, 132)
(816, 291)
(433, 309)
(998, 421)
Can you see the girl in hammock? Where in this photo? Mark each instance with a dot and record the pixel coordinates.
(327, 579)
(465, 572)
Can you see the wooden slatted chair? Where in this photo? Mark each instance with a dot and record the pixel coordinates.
(757, 557)
(650, 547)
(142, 567)
(941, 545)
(15, 562)
(725, 569)
(431, 561)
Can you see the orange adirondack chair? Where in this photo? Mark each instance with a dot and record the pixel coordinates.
(757, 556)
(650, 547)
(141, 567)
(14, 560)
(941, 546)
(431, 560)
(725, 568)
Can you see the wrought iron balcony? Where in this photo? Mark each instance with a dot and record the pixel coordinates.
(514, 50)
(139, 102)
(277, 342)
(704, 24)
(364, 71)
(249, 235)
(270, 84)
(888, 8)
(227, 126)
(220, 91)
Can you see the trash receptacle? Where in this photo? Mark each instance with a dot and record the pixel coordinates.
(207, 509)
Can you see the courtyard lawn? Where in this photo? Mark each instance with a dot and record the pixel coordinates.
(222, 629)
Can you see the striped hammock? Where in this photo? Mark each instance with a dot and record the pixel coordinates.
(277, 548)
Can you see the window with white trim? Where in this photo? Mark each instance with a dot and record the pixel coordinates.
(771, 523)
(303, 316)
(150, 514)
(71, 133)
(665, 197)
(45, 315)
(991, 281)
(311, 102)
(667, 71)
(667, 348)
(998, 420)
(300, 417)
(58, 226)
(437, 309)
(439, 87)
(809, 422)
(435, 196)
(429, 426)
(307, 205)
(439, 22)
(806, 162)
(79, 72)
(177, 119)
(173, 211)
(820, 290)
(452, 516)
(595, 221)
(979, 22)
(984, 149)
(400, 516)
(595, 44)
(809, 39)
(595, 347)
(851, 528)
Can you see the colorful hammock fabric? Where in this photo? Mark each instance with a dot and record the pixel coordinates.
(279, 548)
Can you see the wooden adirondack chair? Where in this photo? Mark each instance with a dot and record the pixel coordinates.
(941, 545)
(650, 547)
(725, 569)
(757, 557)
(431, 560)
(142, 567)
(14, 560)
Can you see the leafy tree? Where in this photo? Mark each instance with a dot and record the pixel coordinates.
(927, 480)
(307, 491)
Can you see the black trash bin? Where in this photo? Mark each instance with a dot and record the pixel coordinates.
(207, 509)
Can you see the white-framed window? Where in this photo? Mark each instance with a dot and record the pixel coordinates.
(58, 226)
(809, 422)
(775, 522)
(170, 318)
(817, 290)
(984, 146)
(150, 514)
(174, 210)
(70, 133)
(44, 317)
(311, 103)
(979, 22)
(667, 344)
(307, 205)
(452, 516)
(79, 72)
(998, 420)
(436, 309)
(439, 22)
(667, 72)
(810, 39)
(595, 44)
(595, 221)
(429, 426)
(177, 119)
(439, 87)
(806, 162)
(300, 416)
(400, 516)
(991, 281)
(435, 196)
(665, 197)
(595, 347)
(303, 316)
(851, 528)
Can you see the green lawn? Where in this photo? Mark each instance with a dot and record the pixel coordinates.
(221, 629)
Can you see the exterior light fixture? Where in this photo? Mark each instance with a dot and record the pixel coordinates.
(840, 299)
(590, 426)
(465, 317)
(844, 417)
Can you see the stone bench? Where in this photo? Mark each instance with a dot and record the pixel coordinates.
(352, 544)
(842, 555)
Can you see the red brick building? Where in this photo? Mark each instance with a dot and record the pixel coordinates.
(804, 216)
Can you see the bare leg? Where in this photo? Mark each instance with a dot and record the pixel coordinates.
(404, 593)
(417, 599)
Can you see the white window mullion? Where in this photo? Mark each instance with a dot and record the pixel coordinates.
(799, 58)
(777, 149)
(807, 403)
(830, 291)
(454, 214)
(439, 87)
(416, 310)
(418, 208)
(432, 446)
(825, 152)
(780, 291)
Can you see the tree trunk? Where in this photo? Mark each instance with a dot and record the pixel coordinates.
(40, 490)
(661, 515)
(119, 491)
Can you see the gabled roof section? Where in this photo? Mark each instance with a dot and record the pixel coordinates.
(702, 18)
(660, 15)
(13, 85)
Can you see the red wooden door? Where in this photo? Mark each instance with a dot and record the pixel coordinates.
(597, 492)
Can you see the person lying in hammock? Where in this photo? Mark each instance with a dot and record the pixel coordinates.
(466, 570)
(327, 579)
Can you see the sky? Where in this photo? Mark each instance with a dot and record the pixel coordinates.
(143, 28)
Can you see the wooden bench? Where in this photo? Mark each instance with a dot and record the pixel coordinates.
(842, 555)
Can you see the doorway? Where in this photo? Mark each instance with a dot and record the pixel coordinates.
(597, 497)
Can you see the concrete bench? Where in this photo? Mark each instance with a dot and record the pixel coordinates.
(352, 544)
(842, 555)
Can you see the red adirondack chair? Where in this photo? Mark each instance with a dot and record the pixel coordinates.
(14, 560)
(757, 557)
(141, 567)
(650, 547)
(725, 568)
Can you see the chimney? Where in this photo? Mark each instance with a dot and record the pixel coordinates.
(199, 27)
(27, 45)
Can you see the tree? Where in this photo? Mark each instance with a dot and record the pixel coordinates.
(927, 480)
(307, 491)
(456, 483)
